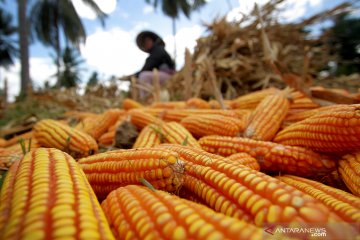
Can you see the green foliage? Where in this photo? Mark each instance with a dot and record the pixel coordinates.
(147, 184)
(173, 8)
(23, 147)
(185, 142)
(345, 42)
(69, 74)
(93, 80)
(3, 173)
(20, 111)
(51, 17)
(8, 50)
(48, 17)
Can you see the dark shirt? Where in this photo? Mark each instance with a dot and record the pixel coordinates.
(159, 59)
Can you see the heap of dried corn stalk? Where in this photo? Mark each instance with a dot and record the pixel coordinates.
(243, 60)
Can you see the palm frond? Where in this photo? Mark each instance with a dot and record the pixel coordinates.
(173, 8)
(71, 24)
(44, 18)
(170, 8)
(99, 13)
(8, 50)
(70, 72)
(185, 7)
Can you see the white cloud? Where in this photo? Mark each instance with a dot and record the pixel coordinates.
(41, 70)
(293, 9)
(124, 14)
(148, 9)
(185, 38)
(12, 75)
(244, 7)
(110, 52)
(139, 26)
(315, 3)
(113, 52)
(107, 6)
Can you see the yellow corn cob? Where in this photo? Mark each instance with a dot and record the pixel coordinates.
(344, 204)
(267, 117)
(131, 104)
(80, 115)
(243, 114)
(173, 132)
(178, 115)
(87, 124)
(3, 143)
(303, 103)
(251, 100)
(136, 212)
(301, 115)
(148, 137)
(246, 160)
(47, 196)
(186, 194)
(216, 105)
(294, 95)
(120, 120)
(335, 130)
(332, 179)
(169, 105)
(212, 124)
(340, 91)
(198, 188)
(204, 158)
(103, 122)
(197, 103)
(172, 115)
(141, 118)
(15, 140)
(110, 170)
(156, 112)
(272, 157)
(107, 139)
(26, 141)
(51, 133)
(244, 193)
(349, 169)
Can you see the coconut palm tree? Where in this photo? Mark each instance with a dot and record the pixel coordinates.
(8, 50)
(173, 9)
(51, 18)
(93, 80)
(24, 46)
(70, 68)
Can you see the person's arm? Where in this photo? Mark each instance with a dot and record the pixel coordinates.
(155, 59)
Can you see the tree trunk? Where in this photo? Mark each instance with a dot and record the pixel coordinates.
(58, 49)
(174, 34)
(24, 46)
(58, 58)
(5, 92)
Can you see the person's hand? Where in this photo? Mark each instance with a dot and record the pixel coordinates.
(126, 77)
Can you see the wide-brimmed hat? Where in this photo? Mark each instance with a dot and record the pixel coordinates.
(141, 37)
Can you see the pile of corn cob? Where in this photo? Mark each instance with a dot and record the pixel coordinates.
(272, 158)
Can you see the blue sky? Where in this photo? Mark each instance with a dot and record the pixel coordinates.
(111, 50)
